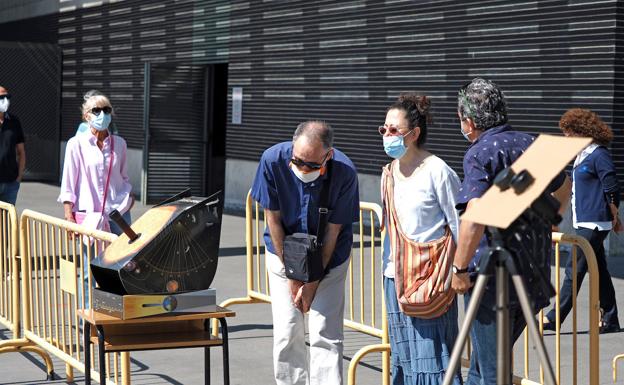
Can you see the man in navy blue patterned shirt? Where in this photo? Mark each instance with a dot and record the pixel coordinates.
(288, 185)
(482, 110)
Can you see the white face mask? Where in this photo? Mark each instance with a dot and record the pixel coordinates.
(4, 105)
(305, 177)
(466, 134)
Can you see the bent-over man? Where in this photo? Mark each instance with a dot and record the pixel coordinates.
(288, 185)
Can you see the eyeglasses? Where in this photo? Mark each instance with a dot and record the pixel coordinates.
(314, 166)
(5, 96)
(391, 129)
(97, 110)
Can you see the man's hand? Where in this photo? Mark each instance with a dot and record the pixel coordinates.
(306, 294)
(295, 288)
(461, 283)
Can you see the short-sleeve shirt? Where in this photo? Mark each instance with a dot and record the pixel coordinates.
(277, 188)
(11, 135)
(496, 149)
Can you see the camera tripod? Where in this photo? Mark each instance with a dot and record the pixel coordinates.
(502, 261)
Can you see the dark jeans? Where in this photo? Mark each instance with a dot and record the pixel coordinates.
(607, 292)
(8, 192)
(483, 335)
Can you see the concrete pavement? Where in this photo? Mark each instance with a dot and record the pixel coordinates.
(251, 329)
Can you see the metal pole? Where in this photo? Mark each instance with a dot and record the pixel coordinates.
(503, 339)
(549, 374)
(146, 111)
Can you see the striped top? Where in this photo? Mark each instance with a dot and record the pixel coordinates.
(425, 204)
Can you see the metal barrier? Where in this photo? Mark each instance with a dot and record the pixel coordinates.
(9, 269)
(614, 365)
(361, 320)
(594, 310)
(10, 288)
(55, 282)
(369, 259)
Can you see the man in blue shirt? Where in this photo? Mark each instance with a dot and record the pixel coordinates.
(288, 184)
(482, 110)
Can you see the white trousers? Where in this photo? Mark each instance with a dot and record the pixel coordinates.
(291, 363)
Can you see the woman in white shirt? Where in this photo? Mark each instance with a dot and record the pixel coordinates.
(418, 193)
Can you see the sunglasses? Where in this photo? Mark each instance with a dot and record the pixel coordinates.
(314, 166)
(97, 110)
(391, 129)
(5, 96)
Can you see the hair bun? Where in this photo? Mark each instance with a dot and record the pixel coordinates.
(421, 102)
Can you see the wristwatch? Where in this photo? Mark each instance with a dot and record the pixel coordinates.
(457, 270)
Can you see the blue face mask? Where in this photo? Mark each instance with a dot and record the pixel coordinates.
(100, 122)
(394, 146)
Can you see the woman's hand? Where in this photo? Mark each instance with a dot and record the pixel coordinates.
(616, 223)
(68, 209)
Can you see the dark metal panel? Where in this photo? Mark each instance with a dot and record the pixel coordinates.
(345, 62)
(105, 47)
(31, 73)
(177, 131)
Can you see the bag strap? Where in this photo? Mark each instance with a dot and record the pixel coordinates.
(110, 168)
(324, 206)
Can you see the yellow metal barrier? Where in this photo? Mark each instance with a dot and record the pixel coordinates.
(55, 282)
(9, 269)
(614, 364)
(576, 242)
(362, 270)
(10, 287)
(361, 320)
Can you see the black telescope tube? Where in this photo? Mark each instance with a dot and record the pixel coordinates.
(116, 217)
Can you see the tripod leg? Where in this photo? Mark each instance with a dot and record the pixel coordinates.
(503, 335)
(471, 313)
(523, 297)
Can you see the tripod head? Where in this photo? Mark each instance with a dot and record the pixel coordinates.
(545, 206)
(533, 224)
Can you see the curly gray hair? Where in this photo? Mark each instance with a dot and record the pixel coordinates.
(482, 101)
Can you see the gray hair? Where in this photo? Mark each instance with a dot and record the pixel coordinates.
(315, 130)
(484, 102)
(90, 93)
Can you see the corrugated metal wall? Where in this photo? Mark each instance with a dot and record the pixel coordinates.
(105, 47)
(346, 61)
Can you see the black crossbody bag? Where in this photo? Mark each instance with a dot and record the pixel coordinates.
(303, 253)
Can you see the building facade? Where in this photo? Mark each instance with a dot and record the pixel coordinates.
(340, 61)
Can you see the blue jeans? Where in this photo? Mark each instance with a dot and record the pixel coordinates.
(483, 335)
(8, 192)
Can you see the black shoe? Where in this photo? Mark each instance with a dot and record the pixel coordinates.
(609, 329)
(549, 325)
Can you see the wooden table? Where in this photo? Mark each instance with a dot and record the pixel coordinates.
(170, 331)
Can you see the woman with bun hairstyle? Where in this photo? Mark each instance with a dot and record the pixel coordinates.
(418, 195)
(595, 201)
